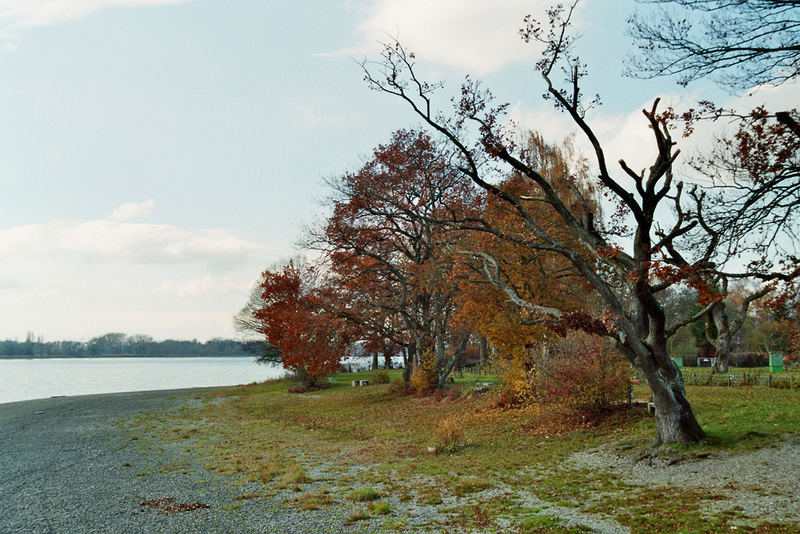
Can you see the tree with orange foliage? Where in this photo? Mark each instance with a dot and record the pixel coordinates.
(506, 275)
(640, 251)
(293, 318)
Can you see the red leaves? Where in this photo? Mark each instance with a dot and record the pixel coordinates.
(590, 381)
(576, 320)
(294, 319)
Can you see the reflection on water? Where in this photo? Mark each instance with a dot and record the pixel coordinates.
(41, 378)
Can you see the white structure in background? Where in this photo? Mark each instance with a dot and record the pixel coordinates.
(358, 359)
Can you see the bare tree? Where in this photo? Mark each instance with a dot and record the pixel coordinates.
(754, 210)
(742, 43)
(626, 269)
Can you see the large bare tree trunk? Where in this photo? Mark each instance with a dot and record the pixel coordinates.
(675, 420)
(726, 328)
(484, 350)
(409, 357)
(722, 354)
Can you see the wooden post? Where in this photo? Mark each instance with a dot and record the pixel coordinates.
(630, 394)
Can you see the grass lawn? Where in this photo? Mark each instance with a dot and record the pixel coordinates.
(504, 469)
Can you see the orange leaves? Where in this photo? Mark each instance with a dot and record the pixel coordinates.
(391, 249)
(425, 379)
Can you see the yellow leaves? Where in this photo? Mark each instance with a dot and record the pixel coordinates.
(425, 379)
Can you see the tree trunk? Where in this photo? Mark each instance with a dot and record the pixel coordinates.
(374, 361)
(408, 362)
(722, 358)
(723, 341)
(484, 350)
(445, 370)
(675, 420)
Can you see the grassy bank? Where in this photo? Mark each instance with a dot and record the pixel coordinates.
(491, 468)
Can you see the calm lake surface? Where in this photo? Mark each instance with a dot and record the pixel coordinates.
(42, 378)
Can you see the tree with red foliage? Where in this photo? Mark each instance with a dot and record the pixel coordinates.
(391, 256)
(293, 318)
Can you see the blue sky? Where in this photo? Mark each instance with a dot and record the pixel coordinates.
(156, 155)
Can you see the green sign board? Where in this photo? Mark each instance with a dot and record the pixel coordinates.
(776, 362)
(678, 361)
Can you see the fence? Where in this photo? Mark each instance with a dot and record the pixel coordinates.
(780, 381)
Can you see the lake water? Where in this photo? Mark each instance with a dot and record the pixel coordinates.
(42, 378)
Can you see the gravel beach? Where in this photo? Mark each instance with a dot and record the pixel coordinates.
(80, 465)
(68, 466)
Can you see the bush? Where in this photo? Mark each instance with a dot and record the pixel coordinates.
(397, 388)
(380, 508)
(425, 379)
(580, 372)
(520, 378)
(380, 377)
(449, 435)
(364, 495)
(592, 382)
(299, 376)
(749, 359)
(305, 387)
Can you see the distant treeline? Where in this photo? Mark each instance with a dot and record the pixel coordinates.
(116, 344)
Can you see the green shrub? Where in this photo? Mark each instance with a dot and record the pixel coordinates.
(380, 508)
(358, 516)
(380, 377)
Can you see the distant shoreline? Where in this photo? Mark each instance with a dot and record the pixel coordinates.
(97, 356)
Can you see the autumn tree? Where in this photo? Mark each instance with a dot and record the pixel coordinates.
(507, 275)
(621, 276)
(292, 318)
(248, 327)
(742, 44)
(387, 250)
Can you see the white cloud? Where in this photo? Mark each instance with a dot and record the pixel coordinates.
(48, 12)
(312, 118)
(622, 135)
(627, 135)
(206, 285)
(126, 242)
(8, 283)
(474, 35)
(81, 279)
(130, 210)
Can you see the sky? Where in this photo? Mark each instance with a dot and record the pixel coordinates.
(157, 155)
